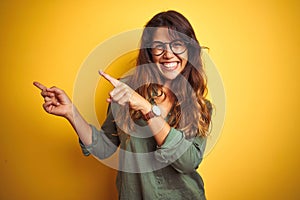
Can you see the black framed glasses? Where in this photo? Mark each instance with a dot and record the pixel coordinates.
(176, 46)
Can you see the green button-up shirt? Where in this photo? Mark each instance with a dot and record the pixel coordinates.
(146, 171)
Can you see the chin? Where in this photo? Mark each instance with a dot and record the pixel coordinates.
(170, 75)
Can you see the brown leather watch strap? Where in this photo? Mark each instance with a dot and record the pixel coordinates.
(149, 115)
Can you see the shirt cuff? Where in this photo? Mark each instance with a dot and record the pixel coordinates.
(172, 139)
(86, 149)
(165, 152)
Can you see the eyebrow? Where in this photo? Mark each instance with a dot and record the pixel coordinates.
(167, 42)
(159, 41)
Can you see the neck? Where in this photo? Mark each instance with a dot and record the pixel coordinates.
(167, 83)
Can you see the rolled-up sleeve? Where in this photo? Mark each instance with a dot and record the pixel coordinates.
(104, 141)
(184, 155)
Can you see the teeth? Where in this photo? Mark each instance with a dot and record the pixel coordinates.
(170, 65)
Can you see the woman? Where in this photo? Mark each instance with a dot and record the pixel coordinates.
(158, 116)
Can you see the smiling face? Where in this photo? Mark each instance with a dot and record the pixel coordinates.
(168, 63)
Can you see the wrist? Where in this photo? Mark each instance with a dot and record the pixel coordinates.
(71, 111)
(154, 112)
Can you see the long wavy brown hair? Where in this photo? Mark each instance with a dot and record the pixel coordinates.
(191, 112)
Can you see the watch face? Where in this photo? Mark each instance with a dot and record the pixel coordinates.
(156, 110)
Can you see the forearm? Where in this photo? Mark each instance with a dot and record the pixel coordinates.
(82, 128)
(159, 127)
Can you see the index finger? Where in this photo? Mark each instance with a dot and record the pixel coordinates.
(112, 80)
(39, 85)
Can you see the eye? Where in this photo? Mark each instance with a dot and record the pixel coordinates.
(157, 45)
(178, 44)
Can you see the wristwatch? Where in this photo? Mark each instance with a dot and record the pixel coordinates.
(155, 112)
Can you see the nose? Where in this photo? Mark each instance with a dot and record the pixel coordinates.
(168, 53)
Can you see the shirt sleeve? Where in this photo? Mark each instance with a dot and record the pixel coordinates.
(182, 154)
(104, 141)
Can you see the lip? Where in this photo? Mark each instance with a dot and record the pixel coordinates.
(169, 66)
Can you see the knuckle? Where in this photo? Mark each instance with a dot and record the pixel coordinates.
(127, 95)
(122, 103)
(45, 108)
(111, 93)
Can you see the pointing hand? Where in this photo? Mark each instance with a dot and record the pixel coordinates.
(56, 100)
(123, 94)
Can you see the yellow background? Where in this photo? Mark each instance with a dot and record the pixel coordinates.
(255, 45)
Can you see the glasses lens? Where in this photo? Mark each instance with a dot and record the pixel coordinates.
(157, 48)
(178, 46)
